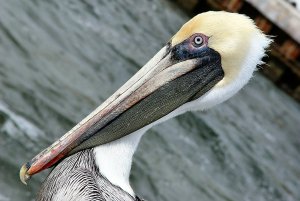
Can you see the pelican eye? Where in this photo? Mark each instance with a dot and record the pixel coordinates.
(198, 40)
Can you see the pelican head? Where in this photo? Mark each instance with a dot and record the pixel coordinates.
(206, 62)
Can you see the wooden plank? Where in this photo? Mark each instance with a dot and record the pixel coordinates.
(280, 13)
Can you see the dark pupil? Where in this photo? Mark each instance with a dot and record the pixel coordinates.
(198, 40)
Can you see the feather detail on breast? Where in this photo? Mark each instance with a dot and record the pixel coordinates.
(77, 178)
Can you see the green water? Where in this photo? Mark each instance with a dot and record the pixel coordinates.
(60, 59)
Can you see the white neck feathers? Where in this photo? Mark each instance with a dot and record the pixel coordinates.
(114, 159)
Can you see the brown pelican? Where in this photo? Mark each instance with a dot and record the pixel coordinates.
(206, 62)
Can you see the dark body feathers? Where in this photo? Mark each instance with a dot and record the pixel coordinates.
(77, 178)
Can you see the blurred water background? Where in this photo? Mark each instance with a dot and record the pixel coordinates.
(60, 59)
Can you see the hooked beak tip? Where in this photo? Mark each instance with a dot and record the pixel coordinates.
(24, 176)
